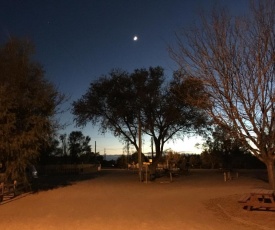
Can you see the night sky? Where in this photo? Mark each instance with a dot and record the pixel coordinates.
(77, 41)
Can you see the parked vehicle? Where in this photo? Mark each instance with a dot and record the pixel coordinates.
(31, 172)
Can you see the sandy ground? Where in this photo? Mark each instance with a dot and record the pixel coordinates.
(115, 199)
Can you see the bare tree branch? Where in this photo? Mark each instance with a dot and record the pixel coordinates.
(235, 59)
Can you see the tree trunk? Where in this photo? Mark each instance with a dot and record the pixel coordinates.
(156, 159)
(271, 172)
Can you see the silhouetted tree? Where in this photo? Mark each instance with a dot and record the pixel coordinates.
(122, 161)
(194, 161)
(78, 145)
(222, 150)
(120, 101)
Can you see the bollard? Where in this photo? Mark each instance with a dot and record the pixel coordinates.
(229, 175)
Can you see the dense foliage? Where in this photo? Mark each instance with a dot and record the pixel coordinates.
(78, 145)
(28, 105)
(223, 151)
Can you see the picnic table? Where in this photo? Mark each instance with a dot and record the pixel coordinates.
(259, 199)
(7, 189)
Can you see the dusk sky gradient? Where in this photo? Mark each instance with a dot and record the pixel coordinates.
(78, 41)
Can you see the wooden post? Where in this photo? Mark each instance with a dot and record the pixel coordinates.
(228, 175)
(171, 176)
(146, 171)
(224, 176)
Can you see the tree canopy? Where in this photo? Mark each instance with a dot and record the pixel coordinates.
(78, 145)
(234, 58)
(28, 105)
(224, 151)
(119, 101)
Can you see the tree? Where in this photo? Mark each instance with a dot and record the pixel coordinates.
(172, 158)
(234, 58)
(78, 145)
(194, 161)
(122, 161)
(134, 158)
(49, 151)
(223, 150)
(28, 105)
(120, 101)
(210, 158)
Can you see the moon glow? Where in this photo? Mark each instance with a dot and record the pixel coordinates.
(135, 38)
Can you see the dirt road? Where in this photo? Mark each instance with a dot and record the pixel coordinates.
(116, 200)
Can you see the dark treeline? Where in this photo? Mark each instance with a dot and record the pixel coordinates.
(72, 149)
(205, 160)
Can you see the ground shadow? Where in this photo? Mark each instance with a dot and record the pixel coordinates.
(260, 174)
(45, 183)
(49, 182)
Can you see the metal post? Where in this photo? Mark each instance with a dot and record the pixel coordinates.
(152, 147)
(139, 151)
